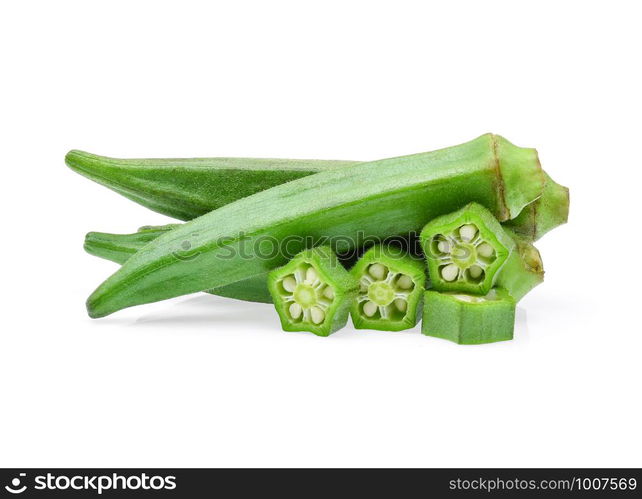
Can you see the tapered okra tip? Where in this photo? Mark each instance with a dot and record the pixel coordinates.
(84, 162)
(74, 157)
(95, 310)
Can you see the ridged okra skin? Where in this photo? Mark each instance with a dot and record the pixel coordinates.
(188, 188)
(367, 200)
(469, 319)
(313, 292)
(523, 269)
(119, 247)
(465, 250)
(544, 214)
(391, 286)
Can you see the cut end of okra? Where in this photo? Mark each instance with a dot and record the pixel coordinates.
(391, 285)
(469, 319)
(313, 292)
(465, 250)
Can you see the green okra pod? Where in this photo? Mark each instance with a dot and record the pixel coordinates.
(186, 188)
(371, 200)
(119, 247)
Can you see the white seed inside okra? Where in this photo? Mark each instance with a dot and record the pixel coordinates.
(404, 282)
(402, 305)
(475, 271)
(289, 284)
(317, 315)
(370, 308)
(467, 232)
(295, 310)
(450, 272)
(377, 271)
(311, 275)
(485, 250)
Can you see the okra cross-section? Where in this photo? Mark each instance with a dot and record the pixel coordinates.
(465, 250)
(469, 319)
(313, 292)
(391, 285)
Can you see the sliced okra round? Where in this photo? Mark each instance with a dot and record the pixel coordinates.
(465, 250)
(391, 285)
(469, 319)
(313, 292)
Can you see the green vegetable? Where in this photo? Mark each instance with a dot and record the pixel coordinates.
(391, 286)
(544, 214)
(119, 247)
(188, 188)
(523, 269)
(469, 319)
(313, 292)
(465, 250)
(337, 207)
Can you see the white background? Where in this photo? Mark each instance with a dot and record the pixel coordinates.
(204, 381)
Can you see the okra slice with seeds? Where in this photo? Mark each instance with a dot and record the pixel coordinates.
(465, 250)
(391, 285)
(313, 292)
(469, 319)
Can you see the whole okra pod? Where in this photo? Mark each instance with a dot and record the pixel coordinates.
(188, 188)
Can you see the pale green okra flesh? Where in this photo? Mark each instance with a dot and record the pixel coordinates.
(469, 319)
(400, 196)
(391, 285)
(313, 292)
(465, 250)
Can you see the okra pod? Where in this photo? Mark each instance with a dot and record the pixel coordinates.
(188, 188)
(119, 247)
(185, 188)
(368, 200)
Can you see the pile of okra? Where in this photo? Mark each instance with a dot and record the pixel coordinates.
(445, 237)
